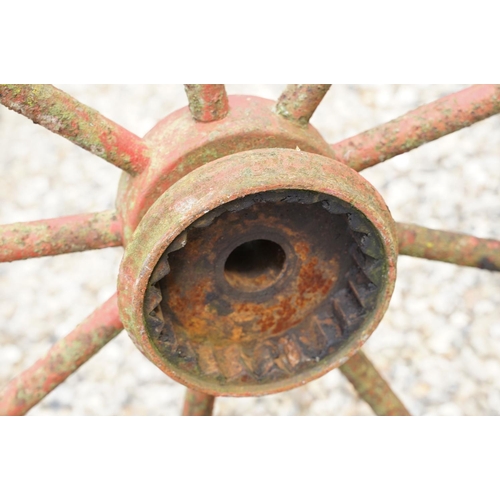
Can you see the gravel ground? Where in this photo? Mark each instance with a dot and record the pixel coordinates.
(438, 345)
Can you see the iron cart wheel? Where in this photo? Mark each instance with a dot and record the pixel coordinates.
(256, 257)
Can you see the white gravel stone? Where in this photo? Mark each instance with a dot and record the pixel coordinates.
(438, 345)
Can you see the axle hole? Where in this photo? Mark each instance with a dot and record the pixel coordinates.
(254, 265)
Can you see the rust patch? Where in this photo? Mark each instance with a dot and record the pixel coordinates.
(239, 334)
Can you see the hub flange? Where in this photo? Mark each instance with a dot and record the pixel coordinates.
(258, 272)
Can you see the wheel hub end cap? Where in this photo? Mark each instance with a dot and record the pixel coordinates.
(259, 272)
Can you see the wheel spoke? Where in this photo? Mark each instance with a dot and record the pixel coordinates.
(455, 248)
(297, 103)
(63, 359)
(424, 124)
(207, 103)
(62, 114)
(371, 387)
(26, 240)
(198, 404)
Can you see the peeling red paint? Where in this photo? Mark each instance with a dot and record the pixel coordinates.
(197, 404)
(298, 102)
(371, 386)
(424, 124)
(446, 246)
(64, 115)
(180, 145)
(25, 240)
(64, 358)
(207, 103)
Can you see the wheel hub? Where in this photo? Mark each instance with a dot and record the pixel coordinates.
(258, 272)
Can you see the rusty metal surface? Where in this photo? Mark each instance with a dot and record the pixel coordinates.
(298, 102)
(76, 233)
(179, 145)
(63, 359)
(265, 288)
(204, 329)
(446, 246)
(197, 404)
(64, 115)
(207, 103)
(371, 386)
(424, 124)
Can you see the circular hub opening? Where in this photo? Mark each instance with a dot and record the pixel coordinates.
(254, 265)
(310, 237)
(252, 331)
(266, 291)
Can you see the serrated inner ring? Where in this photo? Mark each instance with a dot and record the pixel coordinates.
(229, 337)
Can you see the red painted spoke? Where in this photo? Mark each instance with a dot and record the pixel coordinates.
(76, 233)
(62, 114)
(371, 387)
(456, 248)
(63, 359)
(298, 102)
(207, 103)
(424, 124)
(198, 404)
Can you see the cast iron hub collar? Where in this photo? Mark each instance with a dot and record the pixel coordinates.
(258, 272)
